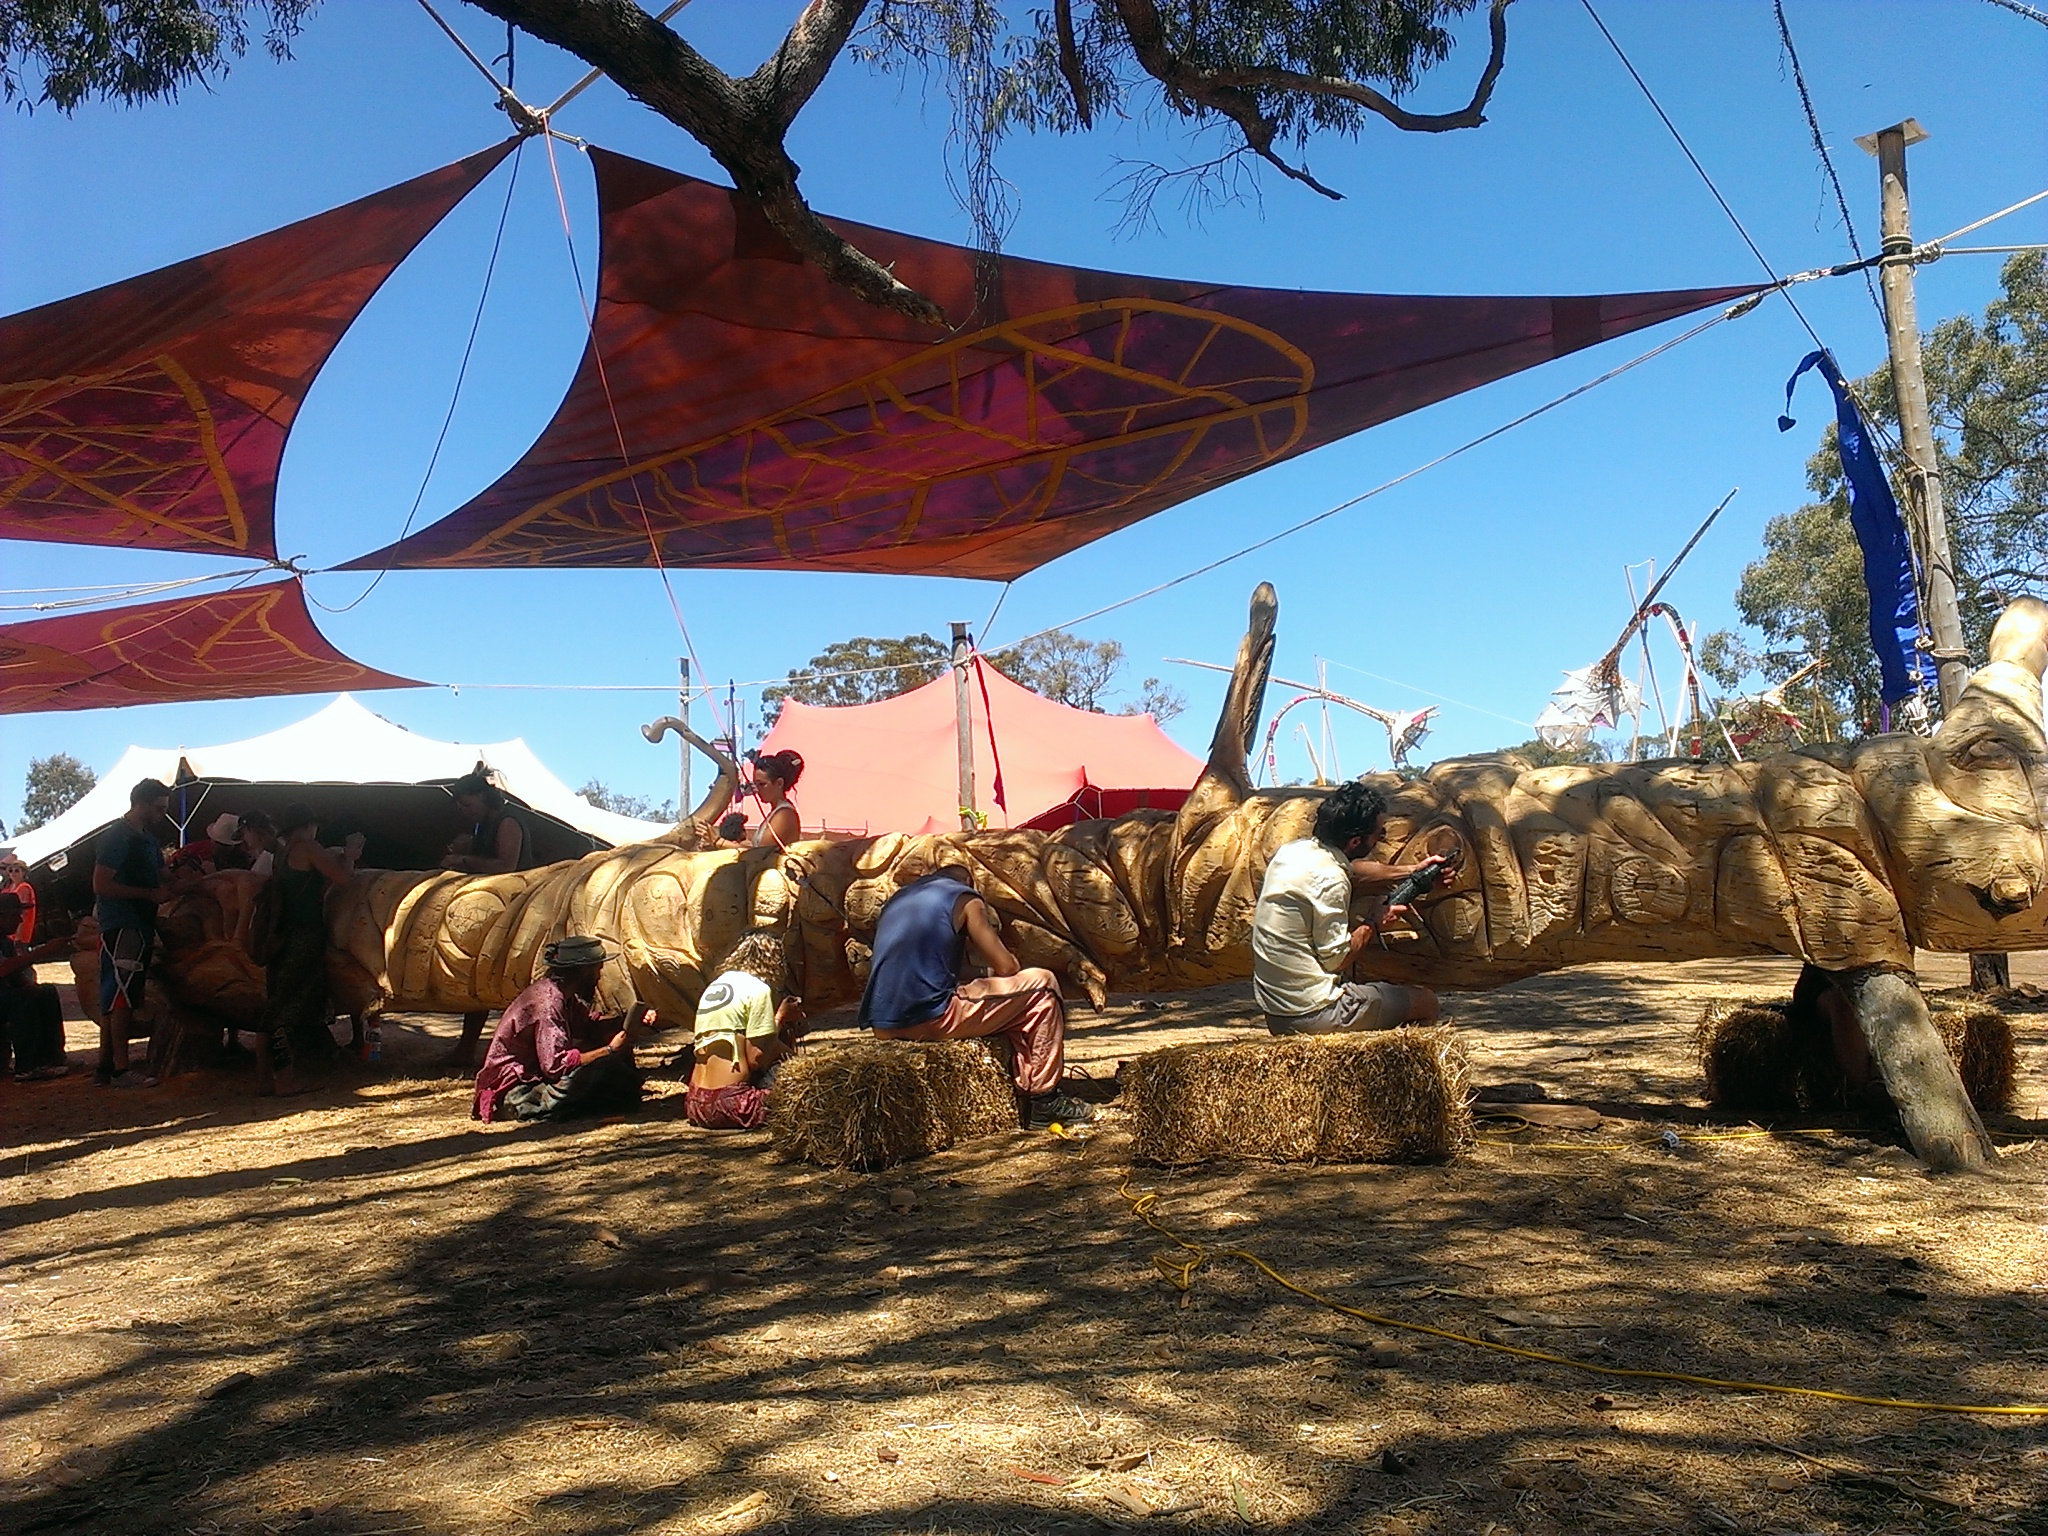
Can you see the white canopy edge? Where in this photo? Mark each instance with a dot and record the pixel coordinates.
(342, 743)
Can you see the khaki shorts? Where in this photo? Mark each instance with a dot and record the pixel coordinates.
(1358, 1005)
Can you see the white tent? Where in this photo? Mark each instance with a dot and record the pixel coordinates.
(342, 744)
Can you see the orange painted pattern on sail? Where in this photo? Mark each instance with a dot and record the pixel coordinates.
(152, 413)
(249, 643)
(771, 419)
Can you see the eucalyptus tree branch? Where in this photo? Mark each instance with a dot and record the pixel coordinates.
(741, 122)
(1233, 92)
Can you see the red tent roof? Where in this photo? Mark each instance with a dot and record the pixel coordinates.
(152, 413)
(249, 643)
(736, 408)
(894, 766)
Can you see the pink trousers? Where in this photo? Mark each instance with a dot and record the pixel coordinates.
(1026, 1007)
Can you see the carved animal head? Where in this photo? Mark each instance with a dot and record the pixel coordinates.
(1963, 812)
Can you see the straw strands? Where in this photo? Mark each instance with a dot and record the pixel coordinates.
(1759, 1056)
(1979, 1040)
(883, 1102)
(1397, 1096)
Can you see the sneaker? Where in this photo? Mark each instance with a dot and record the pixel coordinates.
(132, 1078)
(1045, 1110)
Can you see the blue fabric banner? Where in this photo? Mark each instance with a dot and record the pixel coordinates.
(1887, 552)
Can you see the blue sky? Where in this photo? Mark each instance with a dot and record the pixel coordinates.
(1478, 581)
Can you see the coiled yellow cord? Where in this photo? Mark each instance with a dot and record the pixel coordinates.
(1182, 1274)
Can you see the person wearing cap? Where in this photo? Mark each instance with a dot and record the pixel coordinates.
(257, 835)
(535, 1070)
(915, 989)
(745, 1024)
(128, 886)
(14, 882)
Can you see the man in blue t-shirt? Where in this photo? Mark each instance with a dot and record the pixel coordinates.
(914, 990)
(128, 884)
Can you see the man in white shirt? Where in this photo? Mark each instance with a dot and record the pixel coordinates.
(1302, 938)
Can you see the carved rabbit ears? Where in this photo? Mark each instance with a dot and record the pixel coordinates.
(2021, 635)
(2003, 699)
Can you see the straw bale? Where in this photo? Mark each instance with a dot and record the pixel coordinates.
(1395, 1096)
(1979, 1038)
(883, 1102)
(1749, 1055)
(1760, 1055)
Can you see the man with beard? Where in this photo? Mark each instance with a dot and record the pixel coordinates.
(128, 886)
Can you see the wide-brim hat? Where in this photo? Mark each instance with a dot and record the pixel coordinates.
(222, 828)
(579, 949)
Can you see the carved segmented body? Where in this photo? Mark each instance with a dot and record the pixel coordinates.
(1845, 856)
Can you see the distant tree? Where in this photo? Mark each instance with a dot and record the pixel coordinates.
(639, 807)
(1060, 666)
(859, 671)
(1160, 700)
(1063, 667)
(1542, 754)
(55, 784)
(1266, 76)
(1987, 385)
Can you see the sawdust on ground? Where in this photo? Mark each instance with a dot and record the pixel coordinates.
(357, 1312)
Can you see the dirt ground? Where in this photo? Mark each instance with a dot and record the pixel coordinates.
(358, 1312)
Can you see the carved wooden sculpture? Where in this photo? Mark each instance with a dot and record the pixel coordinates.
(1846, 856)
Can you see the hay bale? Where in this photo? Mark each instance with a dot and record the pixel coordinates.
(883, 1102)
(1394, 1096)
(1979, 1041)
(1760, 1056)
(1749, 1055)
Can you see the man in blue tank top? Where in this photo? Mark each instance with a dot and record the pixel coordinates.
(914, 990)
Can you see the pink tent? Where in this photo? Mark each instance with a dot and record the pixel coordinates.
(894, 766)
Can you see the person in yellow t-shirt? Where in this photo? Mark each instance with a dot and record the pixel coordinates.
(746, 1023)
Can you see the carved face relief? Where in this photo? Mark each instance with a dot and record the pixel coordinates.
(1963, 813)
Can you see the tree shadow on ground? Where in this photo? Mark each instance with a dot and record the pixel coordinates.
(639, 1327)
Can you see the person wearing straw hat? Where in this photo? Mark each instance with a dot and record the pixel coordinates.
(535, 1070)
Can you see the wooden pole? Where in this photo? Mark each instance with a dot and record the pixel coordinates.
(683, 714)
(963, 717)
(1916, 429)
(1909, 384)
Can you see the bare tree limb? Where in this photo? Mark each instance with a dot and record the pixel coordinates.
(741, 122)
(1070, 61)
(1231, 91)
(1191, 84)
(1471, 115)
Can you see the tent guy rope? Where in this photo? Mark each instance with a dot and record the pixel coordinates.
(455, 394)
(1820, 148)
(619, 431)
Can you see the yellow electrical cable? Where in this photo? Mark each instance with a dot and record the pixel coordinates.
(1182, 1275)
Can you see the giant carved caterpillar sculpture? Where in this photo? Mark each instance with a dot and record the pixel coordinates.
(1847, 856)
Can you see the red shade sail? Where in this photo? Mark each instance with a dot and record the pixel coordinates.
(152, 413)
(770, 419)
(245, 644)
(893, 766)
